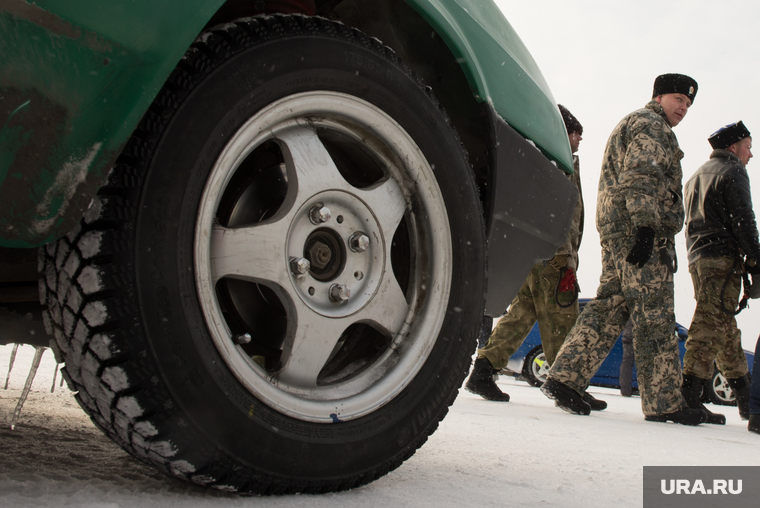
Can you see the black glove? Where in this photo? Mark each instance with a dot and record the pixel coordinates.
(642, 247)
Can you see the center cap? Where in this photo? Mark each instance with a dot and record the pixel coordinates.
(326, 251)
(346, 252)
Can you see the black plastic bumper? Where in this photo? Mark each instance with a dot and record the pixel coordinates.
(529, 211)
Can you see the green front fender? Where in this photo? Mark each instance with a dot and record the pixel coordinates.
(500, 70)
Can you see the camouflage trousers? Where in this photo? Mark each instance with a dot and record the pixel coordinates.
(535, 301)
(646, 296)
(713, 334)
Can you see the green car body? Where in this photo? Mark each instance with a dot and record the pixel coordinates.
(501, 71)
(167, 175)
(74, 84)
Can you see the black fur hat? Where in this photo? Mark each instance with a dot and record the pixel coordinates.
(675, 83)
(571, 123)
(728, 135)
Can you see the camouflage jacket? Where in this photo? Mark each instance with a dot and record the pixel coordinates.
(640, 182)
(720, 220)
(570, 249)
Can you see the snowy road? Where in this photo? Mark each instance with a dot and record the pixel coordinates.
(522, 453)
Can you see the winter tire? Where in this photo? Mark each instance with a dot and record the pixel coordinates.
(535, 369)
(280, 286)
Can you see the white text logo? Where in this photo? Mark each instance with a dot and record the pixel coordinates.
(698, 487)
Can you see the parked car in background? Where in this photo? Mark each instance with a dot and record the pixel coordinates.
(529, 363)
(258, 232)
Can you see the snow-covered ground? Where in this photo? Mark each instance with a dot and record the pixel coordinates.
(522, 453)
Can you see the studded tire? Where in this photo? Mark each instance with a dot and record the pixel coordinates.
(279, 288)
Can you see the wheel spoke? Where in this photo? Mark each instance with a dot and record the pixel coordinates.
(308, 163)
(388, 203)
(253, 253)
(308, 350)
(388, 309)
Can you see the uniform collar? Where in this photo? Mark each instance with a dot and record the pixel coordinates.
(657, 108)
(720, 153)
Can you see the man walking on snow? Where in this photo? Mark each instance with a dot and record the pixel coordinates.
(639, 211)
(548, 295)
(720, 231)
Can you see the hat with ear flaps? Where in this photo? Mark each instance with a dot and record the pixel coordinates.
(675, 83)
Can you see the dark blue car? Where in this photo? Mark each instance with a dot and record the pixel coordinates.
(529, 363)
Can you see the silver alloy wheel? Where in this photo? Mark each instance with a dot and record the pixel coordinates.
(540, 368)
(350, 282)
(722, 389)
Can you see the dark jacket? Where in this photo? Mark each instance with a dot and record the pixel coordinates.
(719, 217)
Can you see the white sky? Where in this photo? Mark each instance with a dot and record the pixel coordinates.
(601, 57)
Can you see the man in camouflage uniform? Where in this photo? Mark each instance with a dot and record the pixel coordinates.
(639, 211)
(720, 231)
(548, 295)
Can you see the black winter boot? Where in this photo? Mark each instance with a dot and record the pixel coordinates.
(685, 416)
(692, 391)
(481, 382)
(754, 424)
(566, 398)
(593, 402)
(740, 387)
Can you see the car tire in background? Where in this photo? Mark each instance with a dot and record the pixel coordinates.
(279, 288)
(718, 391)
(535, 369)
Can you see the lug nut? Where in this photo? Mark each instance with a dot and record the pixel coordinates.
(339, 293)
(358, 242)
(243, 338)
(299, 266)
(319, 214)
